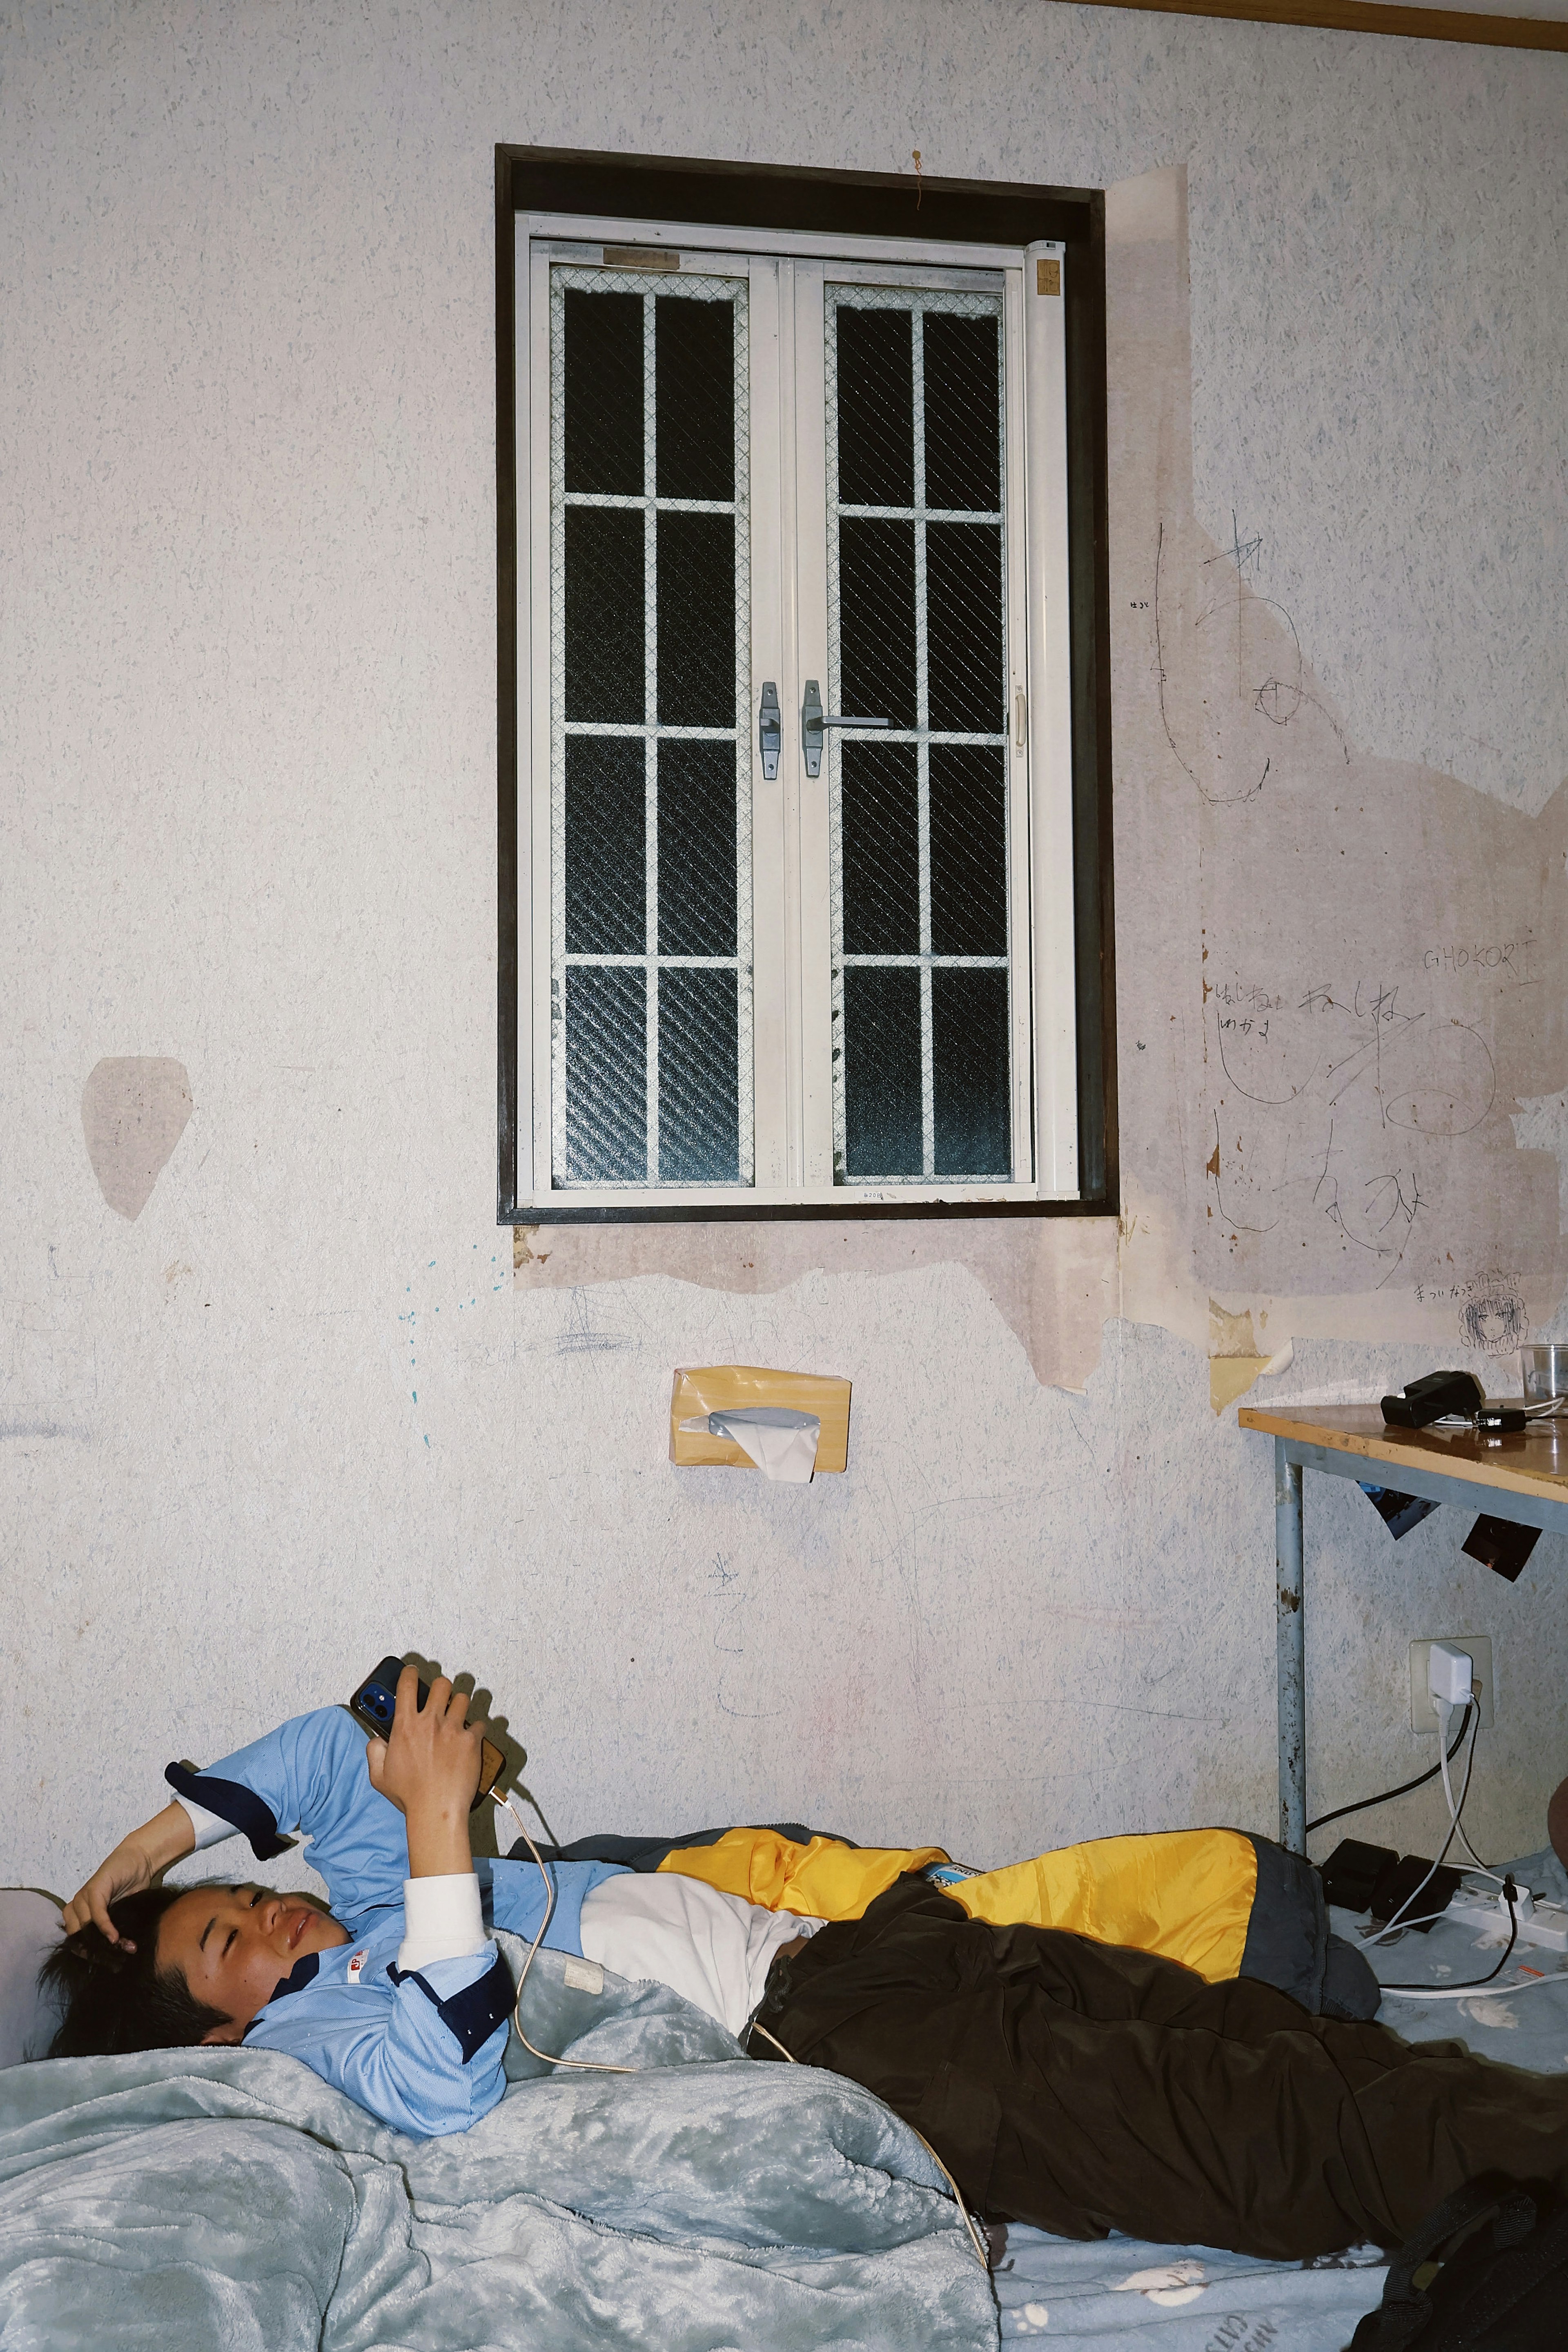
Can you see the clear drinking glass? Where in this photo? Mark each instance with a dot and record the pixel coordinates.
(1545, 1368)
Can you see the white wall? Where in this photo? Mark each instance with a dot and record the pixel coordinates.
(248, 673)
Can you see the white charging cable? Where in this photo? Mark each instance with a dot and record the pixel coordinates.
(1444, 1716)
(586, 2065)
(1398, 1921)
(1539, 1411)
(1513, 1897)
(1462, 1992)
(595, 2066)
(756, 2027)
(1511, 1894)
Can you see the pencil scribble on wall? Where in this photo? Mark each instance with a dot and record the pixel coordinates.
(1356, 965)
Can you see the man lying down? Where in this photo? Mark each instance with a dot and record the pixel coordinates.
(1076, 2084)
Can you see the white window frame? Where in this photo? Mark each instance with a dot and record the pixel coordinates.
(791, 930)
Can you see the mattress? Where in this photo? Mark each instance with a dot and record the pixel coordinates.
(1124, 2292)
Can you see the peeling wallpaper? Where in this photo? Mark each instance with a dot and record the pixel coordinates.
(1332, 1020)
(1053, 1281)
(301, 1406)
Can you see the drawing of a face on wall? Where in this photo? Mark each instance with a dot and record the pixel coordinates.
(1494, 1320)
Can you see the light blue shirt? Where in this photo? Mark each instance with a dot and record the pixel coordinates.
(421, 2049)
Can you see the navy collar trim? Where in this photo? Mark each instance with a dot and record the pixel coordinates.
(303, 1973)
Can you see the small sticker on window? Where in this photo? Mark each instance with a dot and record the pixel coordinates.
(640, 256)
(1047, 278)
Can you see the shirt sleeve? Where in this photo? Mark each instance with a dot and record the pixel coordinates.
(427, 2061)
(442, 1920)
(309, 1775)
(210, 1829)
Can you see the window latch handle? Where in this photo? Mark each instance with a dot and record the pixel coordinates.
(814, 718)
(770, 730)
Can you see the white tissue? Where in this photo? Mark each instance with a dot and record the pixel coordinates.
(781, 1442)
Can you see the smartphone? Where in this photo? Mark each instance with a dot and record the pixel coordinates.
(375, 1704)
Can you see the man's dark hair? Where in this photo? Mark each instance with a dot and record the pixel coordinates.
(111, 2000)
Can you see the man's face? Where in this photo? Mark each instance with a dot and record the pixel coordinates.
(233, 1944)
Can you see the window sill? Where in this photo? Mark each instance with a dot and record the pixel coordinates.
(561, 1210)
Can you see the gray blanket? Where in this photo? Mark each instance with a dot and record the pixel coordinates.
(195, 2199)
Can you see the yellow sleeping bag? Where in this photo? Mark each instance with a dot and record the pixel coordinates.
(824, 1879)
(1184, 1893)
(1187, 1894)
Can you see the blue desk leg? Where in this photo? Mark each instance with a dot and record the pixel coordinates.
(1291, 1651)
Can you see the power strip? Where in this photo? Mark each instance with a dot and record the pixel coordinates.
(1546, 1923)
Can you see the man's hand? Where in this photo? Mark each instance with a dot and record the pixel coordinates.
(134, 1864)
(429, 1768)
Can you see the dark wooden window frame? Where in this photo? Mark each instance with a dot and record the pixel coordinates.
(1373, 16)
(854, 204)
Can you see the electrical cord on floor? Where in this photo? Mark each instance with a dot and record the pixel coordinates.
(1389, 1926)
(1457, 1993)
(757, 2026)
(1510, 1895)
(1363, 1804)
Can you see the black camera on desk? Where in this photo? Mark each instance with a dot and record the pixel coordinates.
(1499, 1544)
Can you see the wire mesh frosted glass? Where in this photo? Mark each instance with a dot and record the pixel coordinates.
(650, 741)
(917, 634)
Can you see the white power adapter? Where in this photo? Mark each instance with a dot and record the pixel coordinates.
(1450, 1674)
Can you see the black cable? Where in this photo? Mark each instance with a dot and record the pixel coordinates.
(1389, 1794)
(1454, 1812)
(1508, 1892)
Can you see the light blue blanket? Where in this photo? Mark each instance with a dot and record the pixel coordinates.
(227, 2200)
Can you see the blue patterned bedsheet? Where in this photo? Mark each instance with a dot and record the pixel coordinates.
(1124, 2293)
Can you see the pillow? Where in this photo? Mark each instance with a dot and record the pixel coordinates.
(29, 1924)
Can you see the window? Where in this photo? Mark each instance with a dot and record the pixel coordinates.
(650, 1002)
(797, 904)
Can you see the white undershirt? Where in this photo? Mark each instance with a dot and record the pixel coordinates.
(713, 1949)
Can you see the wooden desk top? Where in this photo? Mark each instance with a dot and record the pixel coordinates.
(1534, 1463)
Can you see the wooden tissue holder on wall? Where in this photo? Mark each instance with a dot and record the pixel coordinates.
(718, 1388)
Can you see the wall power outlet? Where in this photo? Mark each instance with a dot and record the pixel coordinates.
(1422, 1714)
